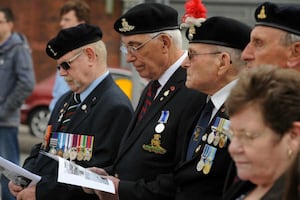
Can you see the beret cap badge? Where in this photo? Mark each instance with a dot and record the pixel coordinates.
(52, 51)
(194, 16)
(125, 26)
(262, 13)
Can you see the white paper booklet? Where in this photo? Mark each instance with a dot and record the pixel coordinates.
(17, 174)
(71, 173)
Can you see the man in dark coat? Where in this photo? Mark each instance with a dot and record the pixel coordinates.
(88, 131)
(212, 68)
(152, 144)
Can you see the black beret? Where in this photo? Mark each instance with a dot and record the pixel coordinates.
(221, 31)
(284, 17)
(147, 18)
(72, 38)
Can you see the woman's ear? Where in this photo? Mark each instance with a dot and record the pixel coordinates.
(295, 137)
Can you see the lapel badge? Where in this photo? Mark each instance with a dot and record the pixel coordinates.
(172, 88)
(84, 107)
(262, 13)
(125, 26)
(155, 145)
(52, 50)
(166, 93)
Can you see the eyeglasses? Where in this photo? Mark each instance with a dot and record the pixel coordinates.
(132, 49)
(244, 136)
(191, 54)
(66, 64)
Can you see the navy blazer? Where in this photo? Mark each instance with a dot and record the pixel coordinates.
(149, 151)
(195, 184)
(105, 114)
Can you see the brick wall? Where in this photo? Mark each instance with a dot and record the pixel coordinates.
(39, 21)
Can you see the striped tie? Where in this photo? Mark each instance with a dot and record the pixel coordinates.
(74, 102)
(149, 98)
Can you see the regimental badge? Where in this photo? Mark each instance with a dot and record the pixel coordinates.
(125, 26)
(262, 13)
(52, 50)
(192, 31)
(155, 145)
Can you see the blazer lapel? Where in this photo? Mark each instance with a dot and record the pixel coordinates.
(165, 95)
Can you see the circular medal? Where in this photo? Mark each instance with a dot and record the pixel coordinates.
(200, 165)
(206, 168)
(73, 153)
(211, 137)
(217, 139)
(204, 137)
(80, 155)
(159, 128)
(60, 152)
(66, 155)
(222, 141)
(53, 151)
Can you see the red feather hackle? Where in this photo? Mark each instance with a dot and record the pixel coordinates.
(195, 9)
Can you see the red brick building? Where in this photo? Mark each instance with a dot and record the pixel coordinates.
(39, 21)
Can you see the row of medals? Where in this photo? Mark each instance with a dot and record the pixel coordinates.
(218, 139)
(75, 152)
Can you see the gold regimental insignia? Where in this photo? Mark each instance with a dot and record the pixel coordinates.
(52, 51)
(125, 26)
(262, 13)
(192, 31)
(155, 145)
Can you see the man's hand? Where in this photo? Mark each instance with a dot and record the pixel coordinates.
(14, 189)
(104, 195)
(27, 193)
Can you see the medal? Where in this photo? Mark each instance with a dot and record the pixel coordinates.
(204, 137)
(211, 137)
(73, 151)
(53, 144)
(217, 139)
(159, 128)
(206, 167)
(68, 144)
(200, 165)
(89, 149)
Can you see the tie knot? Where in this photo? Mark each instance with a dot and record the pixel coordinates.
(76, 98)
(209, 105)
(155, 85)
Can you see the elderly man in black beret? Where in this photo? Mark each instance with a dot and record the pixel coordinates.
(213, 66)
(152, 145)
(275, 39)
(87, 122)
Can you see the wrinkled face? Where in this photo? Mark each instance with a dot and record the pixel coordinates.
(69, 19)
(266, 47)
(259, 153)
(149, 59)
(202, 67)
(78, 76)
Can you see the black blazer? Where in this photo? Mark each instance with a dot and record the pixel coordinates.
(144, 174)
(107, 115)
(195, 184)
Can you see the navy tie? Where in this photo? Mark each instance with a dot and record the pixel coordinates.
(74, 102)
(199, 129)
(152, 89)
